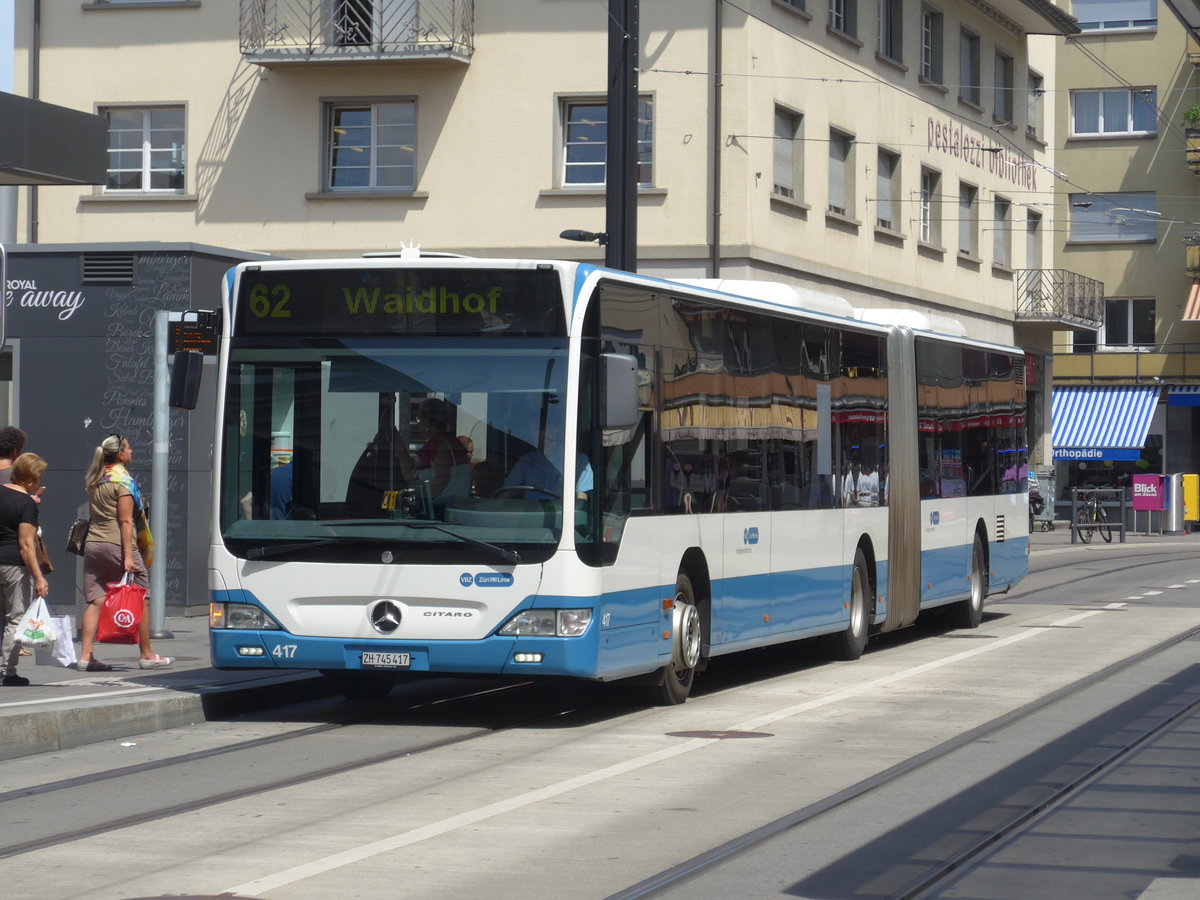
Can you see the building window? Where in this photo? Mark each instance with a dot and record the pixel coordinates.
(887, 183)
(841, 173)
(891, 24)
(1110, 15)
(1114, 218)
(1128, 323)
(794, 4)
(968, 66)
(585, 142)
(1033, 240)
(843, 16)
(1002, 233)
(968, 221)
(372, 146)
(931, 208)
(1035, 106)
(788, 174)
(1003, 107)
(931, 45)
(1113, 112)
(146, 148)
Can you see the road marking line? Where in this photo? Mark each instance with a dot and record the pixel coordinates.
(1151, 593)
(1175, 587)
(259, 886)
(1115, 606)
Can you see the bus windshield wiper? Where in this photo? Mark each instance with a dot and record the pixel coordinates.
(279, 549)
(508, 556)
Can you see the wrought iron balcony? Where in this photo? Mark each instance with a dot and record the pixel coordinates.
(1060, 299)
(278, 32)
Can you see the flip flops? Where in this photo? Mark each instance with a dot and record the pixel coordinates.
(155, 662)
(92, 665)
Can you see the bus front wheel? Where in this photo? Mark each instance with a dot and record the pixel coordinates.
(673, 682)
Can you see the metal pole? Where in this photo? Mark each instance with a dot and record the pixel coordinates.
(717, 131)
(621, 176)
(159, 457)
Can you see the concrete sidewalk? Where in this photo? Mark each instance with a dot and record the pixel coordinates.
(64, 708)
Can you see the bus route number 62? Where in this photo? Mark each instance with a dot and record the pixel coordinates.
(270, 303)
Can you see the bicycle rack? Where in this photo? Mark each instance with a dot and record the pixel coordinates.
(1120, 494)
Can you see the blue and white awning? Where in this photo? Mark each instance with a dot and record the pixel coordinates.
(1183, 395)
(1101, 422)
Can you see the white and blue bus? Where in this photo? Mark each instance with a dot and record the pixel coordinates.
(436, 464)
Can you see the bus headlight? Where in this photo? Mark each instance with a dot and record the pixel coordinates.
(548, 623)
(243, 616)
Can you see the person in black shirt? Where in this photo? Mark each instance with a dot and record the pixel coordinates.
(19, 570)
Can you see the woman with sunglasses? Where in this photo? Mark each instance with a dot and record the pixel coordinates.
(118, 543)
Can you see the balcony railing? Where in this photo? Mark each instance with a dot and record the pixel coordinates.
(275, 32)
(1177, 363)
(1059, 298)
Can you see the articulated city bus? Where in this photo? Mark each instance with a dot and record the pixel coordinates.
(438, 464)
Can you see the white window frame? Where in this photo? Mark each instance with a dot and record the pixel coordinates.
(1126, 308)
(1114, 218)
(1123, 122)
(379, 155)
(788, 156)
(571, 139)
(1115, 15)
(843, 17)
(889, 16)
(887, 190)
(148, 152)
(931, 207)
(1035, 105)
(968, 219)
(932, 45)
(969, 74)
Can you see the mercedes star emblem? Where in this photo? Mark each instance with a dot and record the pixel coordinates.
(385, 616)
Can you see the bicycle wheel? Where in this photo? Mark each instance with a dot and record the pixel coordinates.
(1083, 522)
(1105, 528)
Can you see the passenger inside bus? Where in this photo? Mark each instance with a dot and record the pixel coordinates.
(535, 469)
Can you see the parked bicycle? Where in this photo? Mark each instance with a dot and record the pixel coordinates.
(1092, 518)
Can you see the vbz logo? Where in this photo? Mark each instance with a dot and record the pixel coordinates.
(750, 536)
(935, 517)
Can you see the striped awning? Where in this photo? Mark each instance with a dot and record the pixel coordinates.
(1101, 422)
(1183, 395)
(1191, 308)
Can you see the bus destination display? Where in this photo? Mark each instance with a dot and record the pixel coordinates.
(395, 301)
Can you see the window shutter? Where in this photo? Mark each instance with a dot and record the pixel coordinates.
(837, 173)
(887, 167)
(785, 158)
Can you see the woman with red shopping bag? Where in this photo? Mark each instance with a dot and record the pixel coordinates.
(118, 545)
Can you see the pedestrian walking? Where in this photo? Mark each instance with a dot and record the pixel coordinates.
(118, 543)
(12, 445)
(19, 570)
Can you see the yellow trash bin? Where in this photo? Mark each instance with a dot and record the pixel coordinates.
(1191, 498)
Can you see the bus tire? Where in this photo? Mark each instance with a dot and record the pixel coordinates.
(672, 684)
(969, 613)
(851, 643)
(368, 686)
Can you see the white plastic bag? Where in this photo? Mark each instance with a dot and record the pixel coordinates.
(63, 653)
(35, 628)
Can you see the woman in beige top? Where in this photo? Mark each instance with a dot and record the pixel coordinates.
(118, 543)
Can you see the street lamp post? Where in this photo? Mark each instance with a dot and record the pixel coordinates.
(621, 176)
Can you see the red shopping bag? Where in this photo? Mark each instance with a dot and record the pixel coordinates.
(122, 613)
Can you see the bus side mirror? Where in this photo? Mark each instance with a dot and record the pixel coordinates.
(185, 378)
(618, 390)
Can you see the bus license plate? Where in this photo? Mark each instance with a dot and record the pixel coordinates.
(372, 660)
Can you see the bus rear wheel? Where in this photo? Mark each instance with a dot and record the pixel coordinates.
(851, 643)
(672, 683)
(969, 613)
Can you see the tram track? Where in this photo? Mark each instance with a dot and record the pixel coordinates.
(941, 873)
(515, 696)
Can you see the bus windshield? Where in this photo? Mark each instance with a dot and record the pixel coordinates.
(361, 449)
